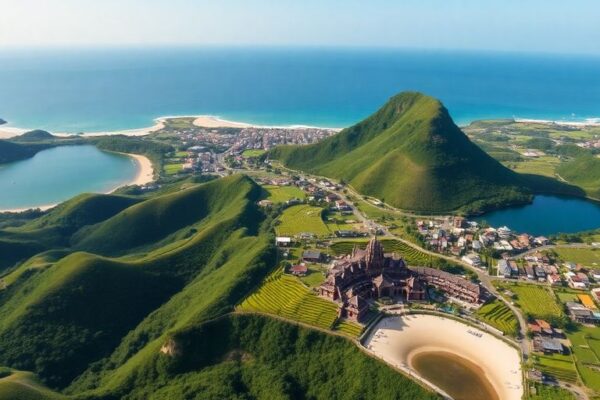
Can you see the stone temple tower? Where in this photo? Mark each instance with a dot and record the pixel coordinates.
(374, 257)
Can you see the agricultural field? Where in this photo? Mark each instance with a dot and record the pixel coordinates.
(585, 256)
(535, 300)
(565, 295)
(337, 222)
(349, 328)
(586, 350)
(315, 275)
(302, 218)
(544, 165)
(559, 366)
(281, 194)
(286, 296)
(498, 315)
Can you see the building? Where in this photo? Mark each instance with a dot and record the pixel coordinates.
(455, 286)
(312, 256)
(283, 241)
(299, 269)
(582, 314)
(548, 346)
(504, 269)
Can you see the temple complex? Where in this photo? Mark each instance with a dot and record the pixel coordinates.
(371, 273)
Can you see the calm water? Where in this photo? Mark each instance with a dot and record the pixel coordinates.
(60, 173)
(458, 377)
(548, 215)
(108, 89)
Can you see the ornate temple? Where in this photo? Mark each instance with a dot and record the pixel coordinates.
(370, 273)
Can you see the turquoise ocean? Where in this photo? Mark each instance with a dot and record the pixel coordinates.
(112, 89)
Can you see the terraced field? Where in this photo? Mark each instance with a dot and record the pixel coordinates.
(284, 295)
(535, 300)
(498, 315)
(410, 254)
(302, 218)
(586, 348)
(559, 366)
(349, 328)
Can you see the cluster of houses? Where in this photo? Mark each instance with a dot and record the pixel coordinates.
(536, 267)
(546, 339)
(585, 311)
(266, 138)
(457, 236)
(200, 159)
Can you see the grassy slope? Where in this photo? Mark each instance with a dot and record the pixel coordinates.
(584, 171)
(78, 310)
(55, 228)
(10, 151)
(411, 154)
(21, 385)
(243, 357)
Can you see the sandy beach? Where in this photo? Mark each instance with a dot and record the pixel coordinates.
(397, 340)
(145, 173)
(209, 121)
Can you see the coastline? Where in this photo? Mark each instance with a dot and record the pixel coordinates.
(144, 175)
(397, 340)
(204, 121)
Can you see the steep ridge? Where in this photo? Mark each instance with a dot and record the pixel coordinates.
(412, 155)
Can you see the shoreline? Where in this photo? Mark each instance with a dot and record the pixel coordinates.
(397, 340)
(204, 121)
(144, 175)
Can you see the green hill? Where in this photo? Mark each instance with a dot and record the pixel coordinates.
(35, 135)
(412, 155)
(583, 171)
(10, 151)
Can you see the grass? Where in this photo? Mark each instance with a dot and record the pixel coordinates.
(286, 296)
(173, 168)
(545, 392)
(585, 256)
(302, 218)
(559, 366)
(21, 385)
(498, 315)
(586, 348)
(535, 300)
(437, 175)
(544, 165)
(349, 328)
(314, 277)
(281, 194)
(253, 153)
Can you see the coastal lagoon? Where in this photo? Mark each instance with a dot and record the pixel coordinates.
(59, 173)
(548, 215)
(449, 356)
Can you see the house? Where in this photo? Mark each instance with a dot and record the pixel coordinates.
(574, 281)
(504, 269)
(540, 273)
(312, 256)
(476, 245)
(472, 259)
(541, 241)
(298, 270)
(546, 345)
(582, 314)
(553, 279)
(583, 278)
(342, 205)
(514, 268)
(283, 241)
(595, 274)
(529, 271)
(504, 232)
(541, 327)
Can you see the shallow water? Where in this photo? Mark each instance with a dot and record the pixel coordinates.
(57, 174)
(457, 376)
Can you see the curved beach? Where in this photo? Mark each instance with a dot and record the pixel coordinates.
(398, 340)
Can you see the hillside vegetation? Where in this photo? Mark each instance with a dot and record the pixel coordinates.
(81, 308)
(584, 171)
(412, 155)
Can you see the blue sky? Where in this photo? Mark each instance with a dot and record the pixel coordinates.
(509, 25)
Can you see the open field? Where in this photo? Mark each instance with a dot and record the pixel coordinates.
(544, 165)
(315, 275)
(586, 256)
(586, 348)
(498, 315)
(172, 169)
(301, 219)
(285, 295)
(533, 299)
(281, 194)
(253, 152)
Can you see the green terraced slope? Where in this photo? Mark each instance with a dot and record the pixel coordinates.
(412, 155)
